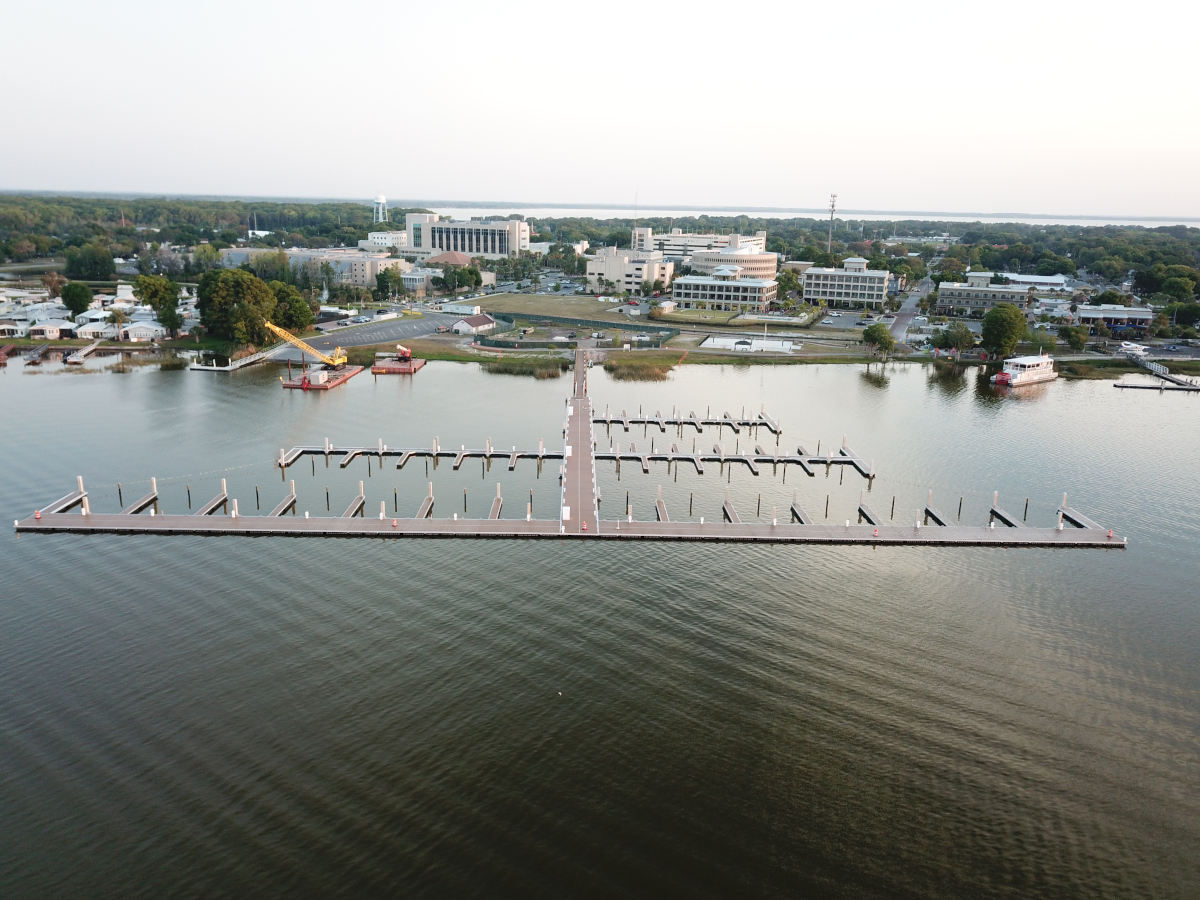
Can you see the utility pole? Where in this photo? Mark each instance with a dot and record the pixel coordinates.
(832, 209)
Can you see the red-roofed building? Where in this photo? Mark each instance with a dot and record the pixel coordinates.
(480, 324)
(449, 258)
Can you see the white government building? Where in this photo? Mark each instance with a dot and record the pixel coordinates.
(625, 270)
(427, 234)
(852, 285)
(680, 245)
(745, 253)
(725, 290)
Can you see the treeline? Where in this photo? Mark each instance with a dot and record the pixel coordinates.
(38, 226)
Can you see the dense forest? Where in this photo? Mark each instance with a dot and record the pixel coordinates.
(88, 232)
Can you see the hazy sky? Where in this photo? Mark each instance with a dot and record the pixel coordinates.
(1046, 107)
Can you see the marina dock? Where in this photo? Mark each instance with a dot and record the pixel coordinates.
(578, 515)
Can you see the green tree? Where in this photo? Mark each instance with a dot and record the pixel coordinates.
(1076, 337)
(234, 304)
(205, 257)
(162, 295)
(1003, 328)
(93, 262)
(76, 297)
(1181, 289)
(1106, 297)
(956, 336)
(291, 309)
(878, 337)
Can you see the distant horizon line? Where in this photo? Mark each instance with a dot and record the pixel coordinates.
(658, 207)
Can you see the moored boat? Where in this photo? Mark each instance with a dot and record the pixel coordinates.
(1020, 370)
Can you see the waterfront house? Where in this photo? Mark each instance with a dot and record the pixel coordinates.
(96, 331)
(52, 330)
(143, 331)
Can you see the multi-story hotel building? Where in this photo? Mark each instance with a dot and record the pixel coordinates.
(852, 285)
(747, 255)
(678, 246)
(428, 234)
(625, 270)
(977, 295)
(724, 289)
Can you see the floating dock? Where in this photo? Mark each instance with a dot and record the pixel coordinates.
(579, 503)
(335, 378)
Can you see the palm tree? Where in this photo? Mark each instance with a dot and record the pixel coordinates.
(117, 317)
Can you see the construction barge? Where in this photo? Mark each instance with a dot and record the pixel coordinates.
(399, 363)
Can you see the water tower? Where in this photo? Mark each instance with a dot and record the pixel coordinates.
(381, 210)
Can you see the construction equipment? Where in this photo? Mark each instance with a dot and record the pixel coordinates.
(337, 359)
(403, 353)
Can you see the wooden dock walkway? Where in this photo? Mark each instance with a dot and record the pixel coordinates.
(235, 364)
(578, 509)
(79, 356)
(718, 532)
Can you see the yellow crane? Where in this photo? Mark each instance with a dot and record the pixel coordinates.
(337, 359)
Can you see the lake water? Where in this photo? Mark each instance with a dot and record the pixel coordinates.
(197, 717)
(533, 211)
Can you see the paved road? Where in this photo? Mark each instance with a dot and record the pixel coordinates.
(383, 332)
(909, 309)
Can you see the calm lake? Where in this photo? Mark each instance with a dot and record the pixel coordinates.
(199, 717)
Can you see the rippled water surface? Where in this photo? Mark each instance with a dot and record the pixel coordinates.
(279, 717)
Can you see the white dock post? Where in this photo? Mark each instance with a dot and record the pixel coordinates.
(154, 484)
(361, 492)
(996, 498)
(1064, 503)
(381, 508)
(1059, 527)
(281, 458)
(381, 447)
(235, 509)
(497, 490)
(87, 507)
(774, 515)
(79, 481)
(528, 512)
(223, 488)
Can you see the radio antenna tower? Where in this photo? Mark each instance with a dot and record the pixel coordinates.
(381, 209)
(832, 210)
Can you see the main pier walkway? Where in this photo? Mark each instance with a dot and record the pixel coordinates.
(578, 517)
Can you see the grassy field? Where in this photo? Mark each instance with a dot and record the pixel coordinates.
(700, 317)
(571, 307)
